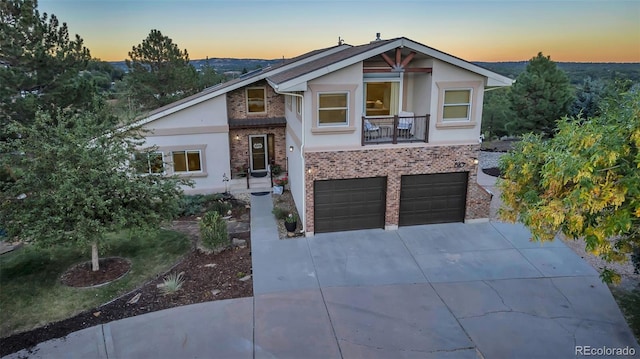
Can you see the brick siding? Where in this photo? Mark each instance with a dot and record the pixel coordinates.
(393, 163)
(239, 149)
(237, 103)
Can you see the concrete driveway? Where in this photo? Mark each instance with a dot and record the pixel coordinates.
(437, 291)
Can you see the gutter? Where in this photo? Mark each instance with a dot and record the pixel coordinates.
(303, 215)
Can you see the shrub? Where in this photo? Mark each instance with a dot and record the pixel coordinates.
(172, 283)
(196, 204)
(276, 170)
(213, 231)
(279, 213)
(222, 207)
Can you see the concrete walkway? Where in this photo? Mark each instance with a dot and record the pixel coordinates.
(438, 291)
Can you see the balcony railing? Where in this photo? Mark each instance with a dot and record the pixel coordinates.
(395, 129)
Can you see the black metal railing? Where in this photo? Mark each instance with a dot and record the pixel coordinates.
(395, 129)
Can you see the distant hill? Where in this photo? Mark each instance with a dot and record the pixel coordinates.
(220, 64)
(576, 71)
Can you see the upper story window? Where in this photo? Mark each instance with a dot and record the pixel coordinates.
(299, 105)
(256, 100)
(333, 109)
(457, 105)
(187, 161)
(150, 163)
(382, 93)
(287, 101)
(382, 98)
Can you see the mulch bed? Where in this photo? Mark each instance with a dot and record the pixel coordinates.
(82, 275)
(200, 280)
(207, 277)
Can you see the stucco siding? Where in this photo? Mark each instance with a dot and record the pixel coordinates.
(348, 79)
(296, 174)
(212, 112)
(444, 75)
(214, 149)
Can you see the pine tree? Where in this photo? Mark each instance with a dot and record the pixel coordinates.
(159, 72)
(588, 98)
(540, 96)
(39, 64)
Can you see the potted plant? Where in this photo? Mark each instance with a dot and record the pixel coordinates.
(279, 184)
(291, 222)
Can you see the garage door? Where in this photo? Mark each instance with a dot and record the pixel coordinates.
(344, 205)
(434, 198)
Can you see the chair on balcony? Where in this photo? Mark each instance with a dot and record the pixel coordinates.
(370, 130)
(405, 124)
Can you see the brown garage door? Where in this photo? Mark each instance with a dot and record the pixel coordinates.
(434, 198)
(348, 204)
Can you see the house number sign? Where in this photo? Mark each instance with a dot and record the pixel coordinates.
(257, 146)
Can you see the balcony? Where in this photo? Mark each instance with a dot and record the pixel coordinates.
(395, 129)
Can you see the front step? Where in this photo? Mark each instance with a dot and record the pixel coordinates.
(256, 184)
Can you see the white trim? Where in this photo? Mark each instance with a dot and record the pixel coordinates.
(186, 157)
(249, 80)
(333, 124)
(264, 99)
(468, 104)
(493, 79)
(266, 154)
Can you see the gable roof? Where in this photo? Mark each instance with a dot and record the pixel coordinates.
(239, 82)
(292, 74)
(295, 78)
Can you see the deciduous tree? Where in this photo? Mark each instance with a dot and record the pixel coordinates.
(540, 96)
(583, 182)
(77, 182)
(159, 72)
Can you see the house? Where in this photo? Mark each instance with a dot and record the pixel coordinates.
(380, 135)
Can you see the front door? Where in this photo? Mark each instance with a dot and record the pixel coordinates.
(258, 153)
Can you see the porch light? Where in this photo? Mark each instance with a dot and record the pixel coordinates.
(309, 170)
(237, 137)
(290, 148)
(475, 161)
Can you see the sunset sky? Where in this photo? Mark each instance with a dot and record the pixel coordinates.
(475, 30)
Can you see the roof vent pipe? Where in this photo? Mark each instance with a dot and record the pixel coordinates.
(378, 36)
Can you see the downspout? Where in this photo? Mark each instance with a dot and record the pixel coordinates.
(304, 180)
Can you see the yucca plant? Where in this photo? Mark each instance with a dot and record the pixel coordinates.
(172, 283)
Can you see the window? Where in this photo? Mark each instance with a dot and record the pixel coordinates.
(186, 161)
(287, 101)
(457, 105)
(149, 162)
(256, 99)
(382, 98)
(333, 108)
(299, 105)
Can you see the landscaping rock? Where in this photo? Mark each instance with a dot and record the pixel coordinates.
(210, 265)
(234, 227)
(245, 278)
(135, 299)
(215, 291)
(239, 243)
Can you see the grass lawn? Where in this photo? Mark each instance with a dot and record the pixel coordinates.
(629, 302)
(31, 294)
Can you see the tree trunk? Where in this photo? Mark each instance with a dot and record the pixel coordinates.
(95, 265)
